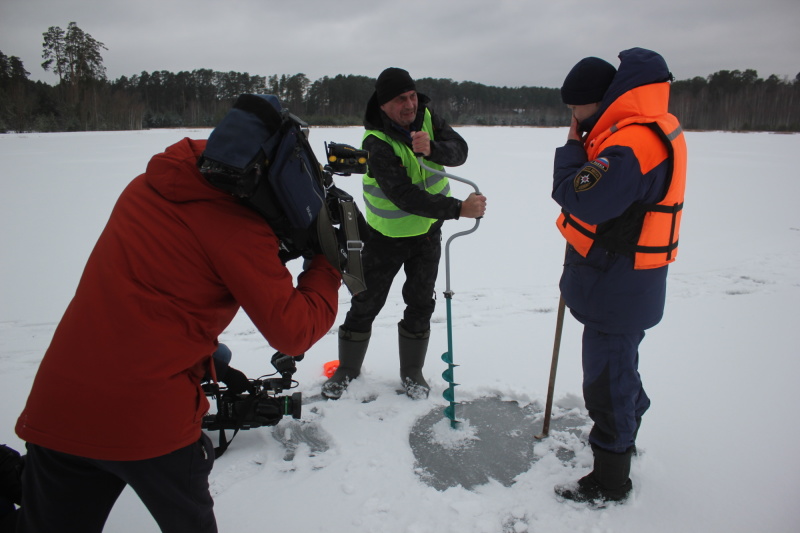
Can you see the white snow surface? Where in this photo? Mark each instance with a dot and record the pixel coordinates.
(720, 442)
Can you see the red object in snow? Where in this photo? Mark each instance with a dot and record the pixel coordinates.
(330, 367)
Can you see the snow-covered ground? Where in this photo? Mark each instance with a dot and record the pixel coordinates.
(720, 443)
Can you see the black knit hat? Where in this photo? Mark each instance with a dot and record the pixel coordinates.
(587, 82)
(391, 83)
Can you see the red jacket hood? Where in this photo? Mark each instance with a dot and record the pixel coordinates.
(166, 173)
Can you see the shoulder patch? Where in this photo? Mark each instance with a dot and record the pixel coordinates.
(587, 178)
(601, 163)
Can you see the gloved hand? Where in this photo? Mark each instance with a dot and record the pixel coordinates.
(285, 363)
(286, 255)
(235, 380)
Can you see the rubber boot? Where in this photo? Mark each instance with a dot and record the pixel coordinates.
(413, 347)
(352, 349)
(609, 482)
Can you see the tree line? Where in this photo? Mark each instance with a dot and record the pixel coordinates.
(84, 99)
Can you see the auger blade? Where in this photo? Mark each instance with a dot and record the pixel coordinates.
(450, 393)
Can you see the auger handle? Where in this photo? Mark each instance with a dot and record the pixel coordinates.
(460, 233)
(448, 175)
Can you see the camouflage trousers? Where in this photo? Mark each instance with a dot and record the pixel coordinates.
(382, 259)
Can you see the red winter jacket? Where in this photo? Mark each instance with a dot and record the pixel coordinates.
(121, 378)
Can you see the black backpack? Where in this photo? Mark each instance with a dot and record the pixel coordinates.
(285, 184)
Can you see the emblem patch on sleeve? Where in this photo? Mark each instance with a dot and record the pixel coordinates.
(601, 163)
(587, 178)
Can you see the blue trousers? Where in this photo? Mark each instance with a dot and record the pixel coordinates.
(612, 387)
(64, 493)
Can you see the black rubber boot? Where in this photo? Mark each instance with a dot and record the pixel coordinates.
(352, 349)
(413, 348)
(609, 482)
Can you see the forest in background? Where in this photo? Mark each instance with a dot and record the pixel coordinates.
(84, 99)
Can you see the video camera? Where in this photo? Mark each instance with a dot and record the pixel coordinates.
(344, 160)
(260, 406)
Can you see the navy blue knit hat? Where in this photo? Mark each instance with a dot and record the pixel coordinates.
(393, 82)
(588, 81)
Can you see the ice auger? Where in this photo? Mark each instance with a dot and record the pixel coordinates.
(447, 357)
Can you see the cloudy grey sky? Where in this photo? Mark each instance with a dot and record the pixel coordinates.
(496, 42)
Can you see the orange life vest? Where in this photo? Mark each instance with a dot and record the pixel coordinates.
(654, 228)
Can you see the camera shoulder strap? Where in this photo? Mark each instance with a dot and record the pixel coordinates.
(223, 442)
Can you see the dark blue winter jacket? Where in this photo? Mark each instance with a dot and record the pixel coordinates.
(602, 289)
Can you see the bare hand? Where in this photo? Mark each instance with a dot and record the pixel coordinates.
(421, 143)
(474, 206)
(574, 133)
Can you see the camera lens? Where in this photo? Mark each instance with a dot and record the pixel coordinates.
(296, 402)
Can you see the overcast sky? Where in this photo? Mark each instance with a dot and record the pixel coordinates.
(495, 42)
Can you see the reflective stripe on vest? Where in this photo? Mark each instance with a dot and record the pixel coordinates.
(381, 213)
(657, 243)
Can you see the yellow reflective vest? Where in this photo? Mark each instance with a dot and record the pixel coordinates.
(382, 214)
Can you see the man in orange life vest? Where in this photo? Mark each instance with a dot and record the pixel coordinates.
(620, 182)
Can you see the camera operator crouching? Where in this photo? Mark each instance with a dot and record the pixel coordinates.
(118, 398)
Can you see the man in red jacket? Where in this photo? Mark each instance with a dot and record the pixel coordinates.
(117, 399)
